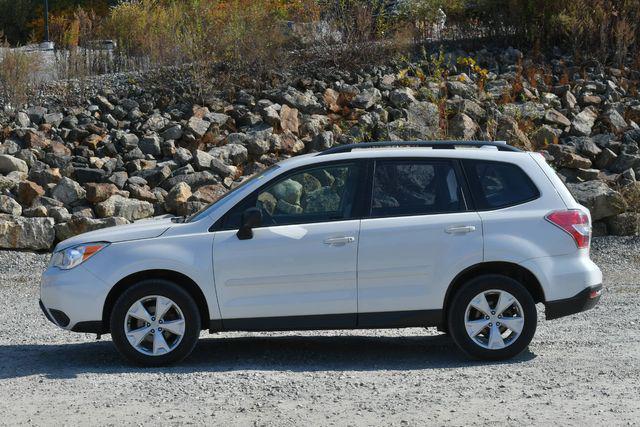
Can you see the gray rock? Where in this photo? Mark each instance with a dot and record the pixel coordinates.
(605, 159)
(201, 160)
(614, 121)
(582, 123)
(323, 141)
(68, 191)
(195, 180)
(305, 102)
(9, 206)
(130, 209)
(198, 126)
(624, 224)
(367, 99)
(566, 156)
(556, 118)
(258, 143)
(173, 133)
(601, 200)
(463, 127)
(22, 119)
(150, 144)
(402, 97)
(545, 135)
(10, 164)
(26, 233)
(54, 119)
(462, 89)
(220, 168)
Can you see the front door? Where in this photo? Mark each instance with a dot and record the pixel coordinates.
(299, 269)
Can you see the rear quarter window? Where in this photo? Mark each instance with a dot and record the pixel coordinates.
(496, 185)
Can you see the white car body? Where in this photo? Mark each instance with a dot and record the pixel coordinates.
(381, 272)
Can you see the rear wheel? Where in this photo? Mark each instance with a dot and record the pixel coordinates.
(155, 323)
(492, 317)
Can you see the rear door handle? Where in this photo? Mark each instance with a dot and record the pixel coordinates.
(339, 241)
(462, 229)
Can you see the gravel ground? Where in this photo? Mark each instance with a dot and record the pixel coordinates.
(581, 370)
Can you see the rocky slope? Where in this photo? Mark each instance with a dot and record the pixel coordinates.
(132, 153)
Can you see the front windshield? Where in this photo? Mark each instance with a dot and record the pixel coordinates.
(205, 211)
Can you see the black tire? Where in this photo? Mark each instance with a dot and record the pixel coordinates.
(457, 312)
(167, 289)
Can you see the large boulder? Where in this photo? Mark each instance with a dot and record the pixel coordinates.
(80, 225)
(130, 209)
(601, 200)
(26, 233)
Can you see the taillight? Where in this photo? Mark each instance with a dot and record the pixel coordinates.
(574, 222)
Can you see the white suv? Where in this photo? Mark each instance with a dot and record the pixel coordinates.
(464, 236)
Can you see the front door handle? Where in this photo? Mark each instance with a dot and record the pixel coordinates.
(462, 229)
(339, 241)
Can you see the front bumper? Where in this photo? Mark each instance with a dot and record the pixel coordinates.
(73, 299)
(584, 300)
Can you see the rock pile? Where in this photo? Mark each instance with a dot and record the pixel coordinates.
(129, 154)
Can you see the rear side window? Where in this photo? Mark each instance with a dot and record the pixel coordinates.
(408, 187)
(498, 185)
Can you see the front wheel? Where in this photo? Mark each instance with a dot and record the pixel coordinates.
(492, 317)
(154, 323)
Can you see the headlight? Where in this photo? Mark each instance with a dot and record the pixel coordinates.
(76, 255)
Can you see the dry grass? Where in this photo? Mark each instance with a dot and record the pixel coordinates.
(18, 72)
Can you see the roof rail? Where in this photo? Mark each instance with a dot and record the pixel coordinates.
(447, 145)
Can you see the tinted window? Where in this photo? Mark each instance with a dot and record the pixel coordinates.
(314, 195)
(497, 185)
(415, 188)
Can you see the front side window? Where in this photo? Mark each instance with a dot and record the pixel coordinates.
(318, 194)
(420, 187)
(497, 185)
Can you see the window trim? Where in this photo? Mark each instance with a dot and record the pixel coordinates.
(466, 168)
(455, 164)
(357, 201)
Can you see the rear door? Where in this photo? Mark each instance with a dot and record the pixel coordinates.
(418, 236)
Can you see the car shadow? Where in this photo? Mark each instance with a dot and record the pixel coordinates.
(246, 353)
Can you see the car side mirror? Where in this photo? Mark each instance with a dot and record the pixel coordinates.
(251, 218)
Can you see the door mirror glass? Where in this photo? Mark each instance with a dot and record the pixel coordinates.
(251, 218)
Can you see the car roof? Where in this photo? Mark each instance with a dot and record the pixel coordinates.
(404, 152)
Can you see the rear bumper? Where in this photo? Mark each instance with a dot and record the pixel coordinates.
(582, 301)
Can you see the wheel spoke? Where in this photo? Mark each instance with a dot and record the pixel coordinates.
(505, 300)
(174, 326)
(160, 345)
(162, 306)
(137, 335)
(516, 324)
(480, 303)
(139, 312)
(495, 338)
(474, 327)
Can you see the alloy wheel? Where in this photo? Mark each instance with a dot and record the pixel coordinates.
(154, 325)
(494, 319)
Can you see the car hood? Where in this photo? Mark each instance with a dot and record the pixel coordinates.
(145, 229)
